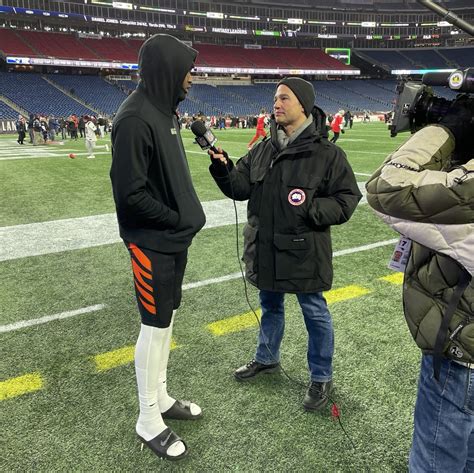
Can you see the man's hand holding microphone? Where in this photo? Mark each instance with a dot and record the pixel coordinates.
(206, 140)
(218, 156)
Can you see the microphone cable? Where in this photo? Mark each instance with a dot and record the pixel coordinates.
(335, 411)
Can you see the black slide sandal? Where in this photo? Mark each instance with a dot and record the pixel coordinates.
(162, 442)
(180, 410)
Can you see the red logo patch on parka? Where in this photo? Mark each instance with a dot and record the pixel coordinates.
(296, 197)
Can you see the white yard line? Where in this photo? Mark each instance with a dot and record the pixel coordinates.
(49, 318)
(33, 239)
(206, 282)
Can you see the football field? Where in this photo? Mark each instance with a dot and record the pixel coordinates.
(69, 324)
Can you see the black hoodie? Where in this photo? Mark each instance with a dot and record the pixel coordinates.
(157, 206)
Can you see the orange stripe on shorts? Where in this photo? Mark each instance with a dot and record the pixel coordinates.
(148, 307)
(137, 271)
(142, 257)
(149, 297)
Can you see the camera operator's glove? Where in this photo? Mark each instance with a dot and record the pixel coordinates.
(459, 120)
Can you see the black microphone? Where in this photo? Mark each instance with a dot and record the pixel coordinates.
(204, 137)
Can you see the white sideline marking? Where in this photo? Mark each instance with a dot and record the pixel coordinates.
(348, 251)
(34, 239)
(49, 318)
(206, 282)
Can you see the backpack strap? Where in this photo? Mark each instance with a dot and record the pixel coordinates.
(463, 282)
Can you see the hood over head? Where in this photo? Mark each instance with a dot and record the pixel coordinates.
(163, 63)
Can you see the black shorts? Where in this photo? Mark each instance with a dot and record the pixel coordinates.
(158, 278)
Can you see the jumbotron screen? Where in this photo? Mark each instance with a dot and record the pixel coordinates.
(110, 3)
(341, 54)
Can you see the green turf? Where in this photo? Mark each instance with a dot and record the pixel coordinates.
(84, 421)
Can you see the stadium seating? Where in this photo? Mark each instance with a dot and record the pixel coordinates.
(269, 57)
(112, 49)
(12, 44)
(35, 43)
(35, 95)
(388, 59)
(92, 90)
(6, 112)
(63, 46)
(462, 57)
(424, 58)
(441, 58)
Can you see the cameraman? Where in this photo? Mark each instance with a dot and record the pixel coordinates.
(425, 191)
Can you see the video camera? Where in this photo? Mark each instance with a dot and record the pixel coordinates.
(417, 106)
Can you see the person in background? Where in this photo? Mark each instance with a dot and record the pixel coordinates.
(298, 185)
(63, 127)
(90, 134)
(425, 191)
(81, 126)
(159, 214)
(348, 119)
(53, 125)
(31, 132)
(21, 129)
(101, 126)
(337, 126)
(260, 130)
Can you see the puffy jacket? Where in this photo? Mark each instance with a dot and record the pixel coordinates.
(420, 196)
(157, 206)
(295, 195)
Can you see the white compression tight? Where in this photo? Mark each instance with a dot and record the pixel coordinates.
(151, 360)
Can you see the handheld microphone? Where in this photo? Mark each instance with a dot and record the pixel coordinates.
(204, 137)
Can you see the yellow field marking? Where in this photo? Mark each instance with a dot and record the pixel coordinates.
(119, 357)
(345, 293)
(247, 320)
(395, 278)
(14, 387)
(234, 324)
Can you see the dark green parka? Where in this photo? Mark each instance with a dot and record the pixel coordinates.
(417, 194)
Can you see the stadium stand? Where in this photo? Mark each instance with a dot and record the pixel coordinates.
(35, 95)
(63, 46)
(11, 43)
(425, 58)
(112, 49)
(28, 90)
(461, 57)
(441, 58)
(6, 112)
(267, 57)
(34, 44)
(92, 90)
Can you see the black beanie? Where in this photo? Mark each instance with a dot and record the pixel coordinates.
(303, 90)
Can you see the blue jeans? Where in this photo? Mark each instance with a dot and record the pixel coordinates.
(318, 324)
(443, 439)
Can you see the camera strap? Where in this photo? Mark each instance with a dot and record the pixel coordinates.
(463, 282)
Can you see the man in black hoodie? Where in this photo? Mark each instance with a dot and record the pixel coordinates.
(298, 185)
(159, 214)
